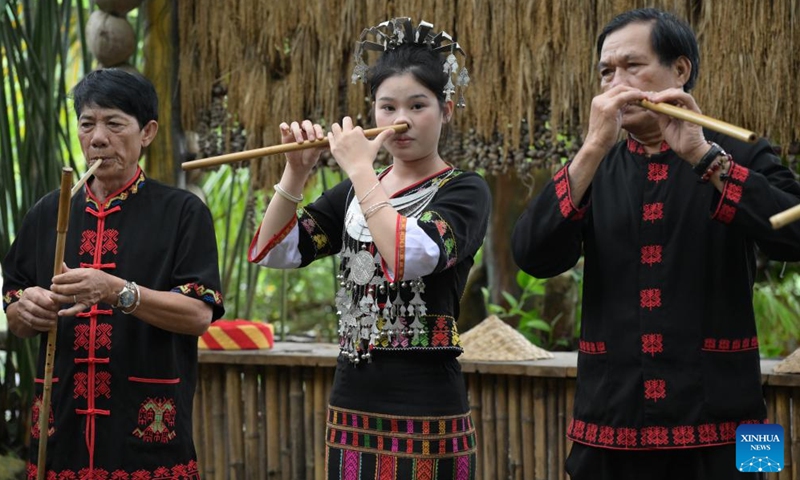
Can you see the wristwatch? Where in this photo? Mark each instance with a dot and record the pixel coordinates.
(127, 296)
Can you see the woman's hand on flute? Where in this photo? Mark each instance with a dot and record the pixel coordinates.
(352, 150)
(302, 161)
(685, 138)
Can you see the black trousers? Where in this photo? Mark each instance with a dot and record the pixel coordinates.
(707, 463)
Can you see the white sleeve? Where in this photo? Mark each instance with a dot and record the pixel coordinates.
(421, 252)
(285, 254)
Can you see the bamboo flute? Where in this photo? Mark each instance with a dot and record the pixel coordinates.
(785, 217)
(702, 120)
(85, 177)
(276, 149)
(61, 240)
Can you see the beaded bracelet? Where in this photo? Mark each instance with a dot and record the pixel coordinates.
(715, 165)
(288, 196)
(705, 162)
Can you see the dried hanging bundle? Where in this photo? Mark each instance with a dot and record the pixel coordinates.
(521, 53)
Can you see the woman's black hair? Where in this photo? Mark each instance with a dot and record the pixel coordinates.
(419, 60)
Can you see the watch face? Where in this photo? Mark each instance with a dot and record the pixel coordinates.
(126, 298)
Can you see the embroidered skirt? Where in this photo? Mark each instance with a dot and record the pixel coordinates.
(403, 416)
(367, 446)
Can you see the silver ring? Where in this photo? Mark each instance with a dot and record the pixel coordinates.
(74, 299)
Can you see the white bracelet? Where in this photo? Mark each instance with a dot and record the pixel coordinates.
(138, 300)
(288, 196)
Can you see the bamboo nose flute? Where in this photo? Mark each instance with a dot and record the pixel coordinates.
(275, 149)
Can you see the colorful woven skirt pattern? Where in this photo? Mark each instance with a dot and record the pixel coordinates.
(367, 446)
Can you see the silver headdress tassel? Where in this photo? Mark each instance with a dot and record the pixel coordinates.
(397, 31)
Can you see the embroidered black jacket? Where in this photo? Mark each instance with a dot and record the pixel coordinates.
(122, 389)
(668, 347)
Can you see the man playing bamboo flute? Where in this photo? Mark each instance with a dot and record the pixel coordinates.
(668, 221)
(139, 285)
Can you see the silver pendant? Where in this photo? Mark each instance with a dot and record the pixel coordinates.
(362, 267)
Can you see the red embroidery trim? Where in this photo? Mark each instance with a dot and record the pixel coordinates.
(565, 205)
(638, 148)
(592, 348)
(733, 192)
(278, 238)
(178, 472)
(738, 172)
(728, 345)
(654, 436)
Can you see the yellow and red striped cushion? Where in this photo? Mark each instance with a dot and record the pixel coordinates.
(237, 335)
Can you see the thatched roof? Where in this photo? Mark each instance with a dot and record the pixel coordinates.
(288, 60)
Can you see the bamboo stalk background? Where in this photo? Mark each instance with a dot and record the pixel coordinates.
(520, 419)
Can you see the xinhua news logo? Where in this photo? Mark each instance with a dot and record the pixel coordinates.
(759, 448)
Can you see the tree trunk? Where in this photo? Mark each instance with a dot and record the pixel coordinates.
(163, 155)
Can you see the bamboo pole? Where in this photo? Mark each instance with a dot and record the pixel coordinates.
(320, 420)
(514, 430)
(540, 432)
(501, 424)
(262, 422)
(553, 440)
(475, 399)
(528, 424)
(489, 443)
(297, 423)
(568, 410)
(218, 419)
(251, 430)
(197, 425)
(308, 420)
(783, 418)
(285, 425)
(233, 413)
(209, 453)
(273, 428)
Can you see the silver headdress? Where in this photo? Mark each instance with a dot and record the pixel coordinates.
(397, 31)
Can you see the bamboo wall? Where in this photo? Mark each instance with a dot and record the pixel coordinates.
(261, 415)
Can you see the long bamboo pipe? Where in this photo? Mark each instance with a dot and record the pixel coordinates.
(710, 123)
(276, 149)
(61, 239)
(785, 217)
